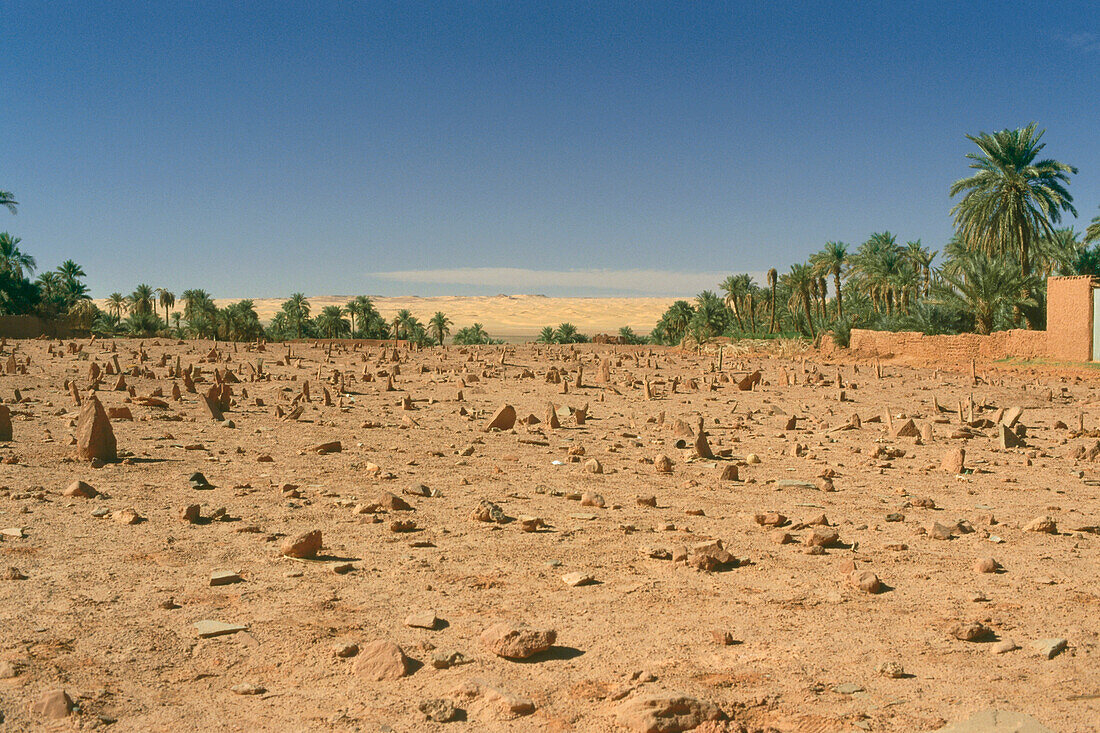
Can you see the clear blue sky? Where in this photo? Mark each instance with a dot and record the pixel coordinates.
(255, 149)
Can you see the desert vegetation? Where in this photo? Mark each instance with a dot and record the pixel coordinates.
(990, 275)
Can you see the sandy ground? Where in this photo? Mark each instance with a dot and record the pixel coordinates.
(106, 611)
(513, 318)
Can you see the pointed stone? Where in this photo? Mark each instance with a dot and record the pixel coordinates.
(95, 439)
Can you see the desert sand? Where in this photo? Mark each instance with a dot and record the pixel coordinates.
(513, 318)
(793, 569)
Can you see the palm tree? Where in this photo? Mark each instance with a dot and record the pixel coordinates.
(711, 316)
(13, 259)
(70, 271)
(49, 284)
(773, 281)
(141, 300)
(439, 325)
(402, 323)
(734, 287)
(988, 287)
(832, 260)
(7, 200)
(297, 311)
(167, 301)
(1013, 199)
(798, 280)
(332, 323)
(1092, 234)
(546, 335)
(115, 303)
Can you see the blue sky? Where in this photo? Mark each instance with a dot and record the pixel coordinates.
(255, 149)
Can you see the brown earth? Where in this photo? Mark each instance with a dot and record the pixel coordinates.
(775, 637)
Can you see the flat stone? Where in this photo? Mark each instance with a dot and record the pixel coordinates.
(1049, 648)
(422, 620)
(997, 721)
(848, 688)
(577, 578)
(224, 577)
(208, 628)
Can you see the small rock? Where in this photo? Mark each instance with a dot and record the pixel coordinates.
(986, 565)
(577, 578)
(448, 659)
(439, 710)
(55, 704)
(247, 688)
(305, 545)
(1049, 648)
(224, 577)
(513, 641)
(382, 660)
(893, 670)
(1005, 646)
(665, 712)
(345, 650)
(1044, 524)
(969, 631)
(81, 490)
(422, 620)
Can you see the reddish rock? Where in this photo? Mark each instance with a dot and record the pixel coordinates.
(5, 423)
(382, 660)
(503, 419)
(513, 641)
(865, 580)
(95, 440)
(305, 545)
(81, 490)
(55, 704)
(954, 461)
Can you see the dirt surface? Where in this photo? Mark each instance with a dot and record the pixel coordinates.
(773, 636)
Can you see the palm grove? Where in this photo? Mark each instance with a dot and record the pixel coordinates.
(991, 275)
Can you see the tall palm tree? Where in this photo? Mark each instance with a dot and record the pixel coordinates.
(546, 335)
(402, 323)
(773, 282)
(115, 303)
(297, 311)
(194, 300)
(13, 259)
(69, 270)
(1013, 199)
(798, 280)
(832, 261)
(734, 288)
(439, 325)
(7, 200)
(141, 300)
(167, 301)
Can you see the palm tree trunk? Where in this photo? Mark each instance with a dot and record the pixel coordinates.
(771, 328)
(839, 300)
(809, 314)
(752, 314)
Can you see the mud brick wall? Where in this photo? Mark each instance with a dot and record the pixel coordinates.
(1069, 318)
(956, 349)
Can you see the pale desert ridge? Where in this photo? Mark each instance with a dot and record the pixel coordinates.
(548, 538)
(513, 318)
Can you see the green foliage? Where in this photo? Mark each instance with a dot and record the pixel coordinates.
(472, 336)
(626, 333)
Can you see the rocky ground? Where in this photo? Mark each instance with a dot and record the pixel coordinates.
(379, 558)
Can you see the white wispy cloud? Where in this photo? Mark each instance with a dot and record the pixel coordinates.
(517, 280)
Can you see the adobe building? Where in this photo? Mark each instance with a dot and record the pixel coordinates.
(1072, 319)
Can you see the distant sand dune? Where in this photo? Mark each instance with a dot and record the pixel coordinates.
(514, 318)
